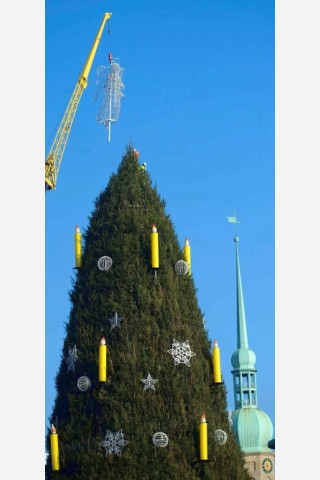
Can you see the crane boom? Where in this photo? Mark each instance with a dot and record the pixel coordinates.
(55, 155)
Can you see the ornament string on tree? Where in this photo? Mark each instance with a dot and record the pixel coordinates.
(115, 320)
(104, 263)
(181, 352)
(109, 79)
(72, 359)
(149, 382)
(114, 442)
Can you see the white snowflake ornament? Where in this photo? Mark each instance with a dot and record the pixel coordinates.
(114, 442)
(181, 352)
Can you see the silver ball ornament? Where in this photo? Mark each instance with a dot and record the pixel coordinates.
(181, 267)
(104, 263)
(220, 437)
(160, 439)
(84, 383)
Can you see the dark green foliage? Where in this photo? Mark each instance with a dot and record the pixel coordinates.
(156, 310)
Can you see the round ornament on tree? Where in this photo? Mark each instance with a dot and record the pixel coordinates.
(160, 439)
(84, 383)
(104, 263)
(220, 437)
(181, 267)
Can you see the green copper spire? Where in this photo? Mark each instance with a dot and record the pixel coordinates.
(242, 337)
(243, 359)
(252, 427)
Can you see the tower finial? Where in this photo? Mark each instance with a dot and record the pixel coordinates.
(242, 338)
(234, 220)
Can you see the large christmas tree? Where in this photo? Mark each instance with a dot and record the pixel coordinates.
(143, 421)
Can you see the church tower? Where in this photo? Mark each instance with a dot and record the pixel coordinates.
(252, 427)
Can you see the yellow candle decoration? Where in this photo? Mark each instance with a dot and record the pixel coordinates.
(154, 248)
(203, 438)
(54, 448)
(78, 248)
(216, 363)
(187, 254)
(103, 360)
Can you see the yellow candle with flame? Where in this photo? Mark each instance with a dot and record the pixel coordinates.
(154, 248)
(103, 360)
(78, 248)
(187, 254)
(54, 448)
(216, 363)
(203, 431)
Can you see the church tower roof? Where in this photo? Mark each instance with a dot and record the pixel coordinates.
(243, 358)
(252, 427)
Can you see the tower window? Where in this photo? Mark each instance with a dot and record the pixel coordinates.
(245, 382)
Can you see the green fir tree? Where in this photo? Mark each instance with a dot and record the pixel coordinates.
(156, 307)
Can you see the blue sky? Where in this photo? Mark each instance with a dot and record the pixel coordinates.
(199, 107)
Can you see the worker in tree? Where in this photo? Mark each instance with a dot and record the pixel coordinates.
(143, 166)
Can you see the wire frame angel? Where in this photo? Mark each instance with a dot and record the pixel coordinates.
(109, 81)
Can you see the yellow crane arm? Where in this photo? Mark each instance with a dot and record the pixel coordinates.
(54, 157)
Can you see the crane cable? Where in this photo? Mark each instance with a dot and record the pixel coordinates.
(109, 40)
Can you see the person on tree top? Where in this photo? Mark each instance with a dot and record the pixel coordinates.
(143, 166)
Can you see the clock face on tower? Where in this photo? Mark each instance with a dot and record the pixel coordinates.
(267, 465)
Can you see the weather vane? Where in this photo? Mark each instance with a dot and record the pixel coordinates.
(235, 221)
